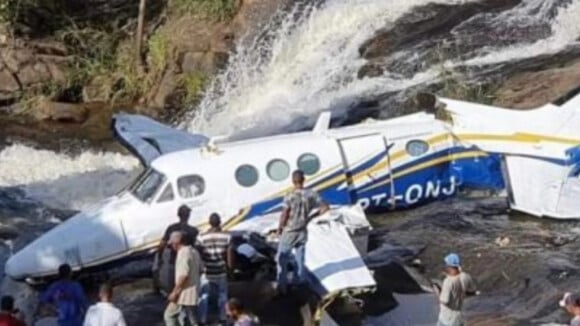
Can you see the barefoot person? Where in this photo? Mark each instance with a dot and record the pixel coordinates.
(454, 289)
(297, 208)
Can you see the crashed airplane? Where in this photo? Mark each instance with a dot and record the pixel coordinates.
(532, 156)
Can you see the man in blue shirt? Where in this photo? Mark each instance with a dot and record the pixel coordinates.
(68, 296)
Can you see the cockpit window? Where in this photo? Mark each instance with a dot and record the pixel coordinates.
(147, 185)
(190, 186)
(167, 194)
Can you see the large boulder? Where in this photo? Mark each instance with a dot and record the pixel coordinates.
(24, 67)
(46, 109)
(533, 89)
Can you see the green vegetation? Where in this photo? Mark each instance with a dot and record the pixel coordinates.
(210, 9)
(456, 86)
(193, 85)
(101, 59)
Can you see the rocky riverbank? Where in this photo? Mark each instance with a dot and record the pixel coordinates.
(62, 82)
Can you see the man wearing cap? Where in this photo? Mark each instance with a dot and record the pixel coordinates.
(455, 287)
(298, 206)
(184, 296)
(165, 258)
(217, 255)
(571, 302)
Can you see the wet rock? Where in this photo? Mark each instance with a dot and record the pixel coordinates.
(434, 20)
(8, 84)
(22, 68)
(62, 112)
(8, 233)
(165, 90)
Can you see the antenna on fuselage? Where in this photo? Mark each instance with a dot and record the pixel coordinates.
(211, 146)
(323, 122)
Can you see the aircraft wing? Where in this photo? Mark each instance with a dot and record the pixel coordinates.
(148, 139)
(540, 150)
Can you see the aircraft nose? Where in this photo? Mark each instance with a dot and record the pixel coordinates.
(35, 259)
(15, 266)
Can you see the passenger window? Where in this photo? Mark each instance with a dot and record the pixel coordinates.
(308, 163)
(247, 175)
(166, 195)
(417, 147)
(278, 169)
(190, 186)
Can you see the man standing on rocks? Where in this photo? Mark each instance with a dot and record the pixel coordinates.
(456, 285)
(217, 254)
(165, 258)
(183, 298)
(297, 208)
(571, 302)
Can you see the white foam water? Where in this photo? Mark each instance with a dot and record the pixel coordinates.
(63, 181)
(565, 32)
(310, 65)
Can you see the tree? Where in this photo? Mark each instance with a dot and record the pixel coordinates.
(140, 27)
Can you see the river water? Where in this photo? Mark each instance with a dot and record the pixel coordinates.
(307, 61)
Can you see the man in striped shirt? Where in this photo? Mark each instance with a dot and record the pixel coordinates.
(217, 256)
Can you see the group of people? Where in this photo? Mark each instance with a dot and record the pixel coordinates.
(201, 263)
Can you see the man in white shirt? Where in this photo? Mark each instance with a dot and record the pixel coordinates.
(104, 313)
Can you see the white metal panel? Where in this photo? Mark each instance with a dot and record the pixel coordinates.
(359, 150)
(534, 184)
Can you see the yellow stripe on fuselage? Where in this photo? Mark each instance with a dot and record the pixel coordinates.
(429, 164)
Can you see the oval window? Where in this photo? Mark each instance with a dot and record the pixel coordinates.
(247, 175)
(417, 147)
(278, 169)
(308, 163)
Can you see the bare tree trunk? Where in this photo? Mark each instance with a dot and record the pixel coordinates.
(140, 26)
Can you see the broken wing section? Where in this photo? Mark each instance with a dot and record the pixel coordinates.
(148, 139)
(540, 149)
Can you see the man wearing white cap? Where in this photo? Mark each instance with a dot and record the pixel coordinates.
(455, 287)
(571, 302)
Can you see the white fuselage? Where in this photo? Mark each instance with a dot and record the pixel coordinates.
(381, 165)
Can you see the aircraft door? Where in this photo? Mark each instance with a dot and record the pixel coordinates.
(366, 165)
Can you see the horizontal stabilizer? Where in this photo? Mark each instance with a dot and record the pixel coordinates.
(148, 139)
